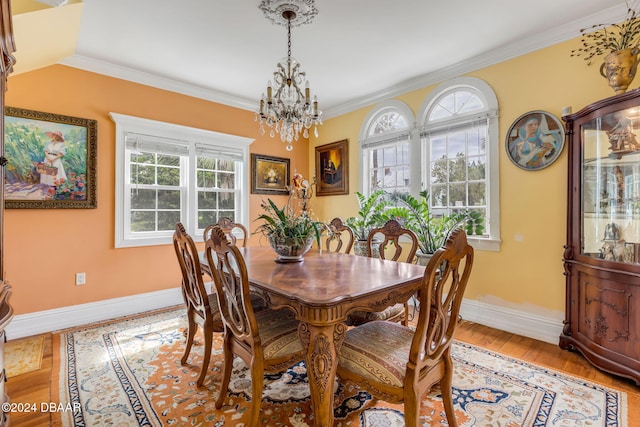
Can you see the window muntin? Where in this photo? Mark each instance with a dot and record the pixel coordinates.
(390, 168)
(387, 122)
(216, 187)
(458, 170)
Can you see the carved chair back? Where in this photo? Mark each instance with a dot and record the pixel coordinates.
(339, 234)
(391, 233)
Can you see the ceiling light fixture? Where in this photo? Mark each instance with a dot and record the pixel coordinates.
(287, 109)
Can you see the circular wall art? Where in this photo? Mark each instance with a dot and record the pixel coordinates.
(535, 140)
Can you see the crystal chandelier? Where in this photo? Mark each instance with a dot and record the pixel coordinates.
(287, 109)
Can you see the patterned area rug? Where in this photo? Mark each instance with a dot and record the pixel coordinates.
(23, 355)
(129, 374)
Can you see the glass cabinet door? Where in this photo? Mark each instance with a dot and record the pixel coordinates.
(611, 187)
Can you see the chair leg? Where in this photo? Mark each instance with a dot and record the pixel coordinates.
(191, 332)
(405, 321)
(208, 342)
(446, 388)
(411, 407)
(257, 382)
(226, 370)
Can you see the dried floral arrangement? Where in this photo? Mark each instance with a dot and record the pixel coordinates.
(602, 39)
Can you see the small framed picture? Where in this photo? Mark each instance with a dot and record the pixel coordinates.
(535, 140)
(269, 175)
(52, 160)
(332, 168)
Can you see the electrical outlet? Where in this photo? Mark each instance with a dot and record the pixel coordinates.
(81, 278)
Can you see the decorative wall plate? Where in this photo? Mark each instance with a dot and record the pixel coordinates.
(535, 140)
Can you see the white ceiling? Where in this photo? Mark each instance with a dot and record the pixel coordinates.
(355, 52)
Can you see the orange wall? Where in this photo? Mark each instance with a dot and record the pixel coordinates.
(44, 248)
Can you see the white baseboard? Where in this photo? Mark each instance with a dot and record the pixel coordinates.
(506, 319)
(517, 322)
(25, 325)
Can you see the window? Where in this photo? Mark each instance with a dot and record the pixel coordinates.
(386, 149)
(167, 173)
(459, 145)
(452, 152)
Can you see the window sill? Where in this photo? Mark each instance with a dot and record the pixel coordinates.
(484, 243)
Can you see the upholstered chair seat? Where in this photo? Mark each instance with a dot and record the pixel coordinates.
(378, 360)
(279, 334)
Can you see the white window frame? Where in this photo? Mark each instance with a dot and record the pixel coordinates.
(490, 116)
(193, 137)
(386, 139)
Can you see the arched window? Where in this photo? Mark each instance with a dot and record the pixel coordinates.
(459, 144)
(384, 141)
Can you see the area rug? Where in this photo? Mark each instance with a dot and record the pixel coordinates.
(129, 374)
(23, 356)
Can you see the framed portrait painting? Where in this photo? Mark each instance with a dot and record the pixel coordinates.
(535, 140)
(332, 168)
(52, 160)
(269, 175)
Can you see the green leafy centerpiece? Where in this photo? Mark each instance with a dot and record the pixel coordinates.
(290, 234)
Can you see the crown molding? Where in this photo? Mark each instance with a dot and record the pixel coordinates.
(149, 79)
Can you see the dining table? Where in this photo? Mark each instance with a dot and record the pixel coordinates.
(322, 290)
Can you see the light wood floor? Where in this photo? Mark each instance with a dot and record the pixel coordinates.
(35, 387)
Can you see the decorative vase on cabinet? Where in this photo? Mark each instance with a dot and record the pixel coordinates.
(602, 253)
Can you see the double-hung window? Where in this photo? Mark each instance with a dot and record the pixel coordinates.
(167, 173)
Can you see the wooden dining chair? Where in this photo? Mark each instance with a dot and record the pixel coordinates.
(388, 238)
(400, 364)
(202, 308)
(230, 228)
(340, 235)
(266, 340)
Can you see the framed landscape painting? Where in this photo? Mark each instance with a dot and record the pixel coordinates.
(52, 160)
(332, 168)
(269, 174)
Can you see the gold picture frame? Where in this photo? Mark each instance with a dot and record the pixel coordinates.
(332, 168)
(269, 174)
(52, 160)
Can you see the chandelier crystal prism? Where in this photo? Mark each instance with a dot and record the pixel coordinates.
(288, 109)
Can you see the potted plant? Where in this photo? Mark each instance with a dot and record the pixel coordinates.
(432, 230)
(289, 234)
(619, 44)
(371, 214)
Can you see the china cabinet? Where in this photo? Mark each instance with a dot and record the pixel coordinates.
(7, 47)
(602, 254)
